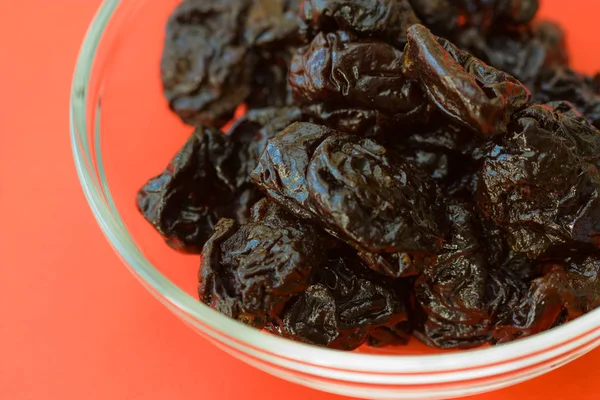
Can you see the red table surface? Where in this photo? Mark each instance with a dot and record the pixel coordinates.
(75, 324)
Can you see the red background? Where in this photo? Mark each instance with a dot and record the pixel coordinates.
(74, 324)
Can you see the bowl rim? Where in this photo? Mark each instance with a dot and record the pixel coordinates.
(97, 194)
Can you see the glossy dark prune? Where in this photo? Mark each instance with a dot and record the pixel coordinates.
(338, 69)
(376, 203)
(343, 306)
(471, 285)
(399, 218)
(281, 170)
(567, 291)
(562, 83)
(451, 293)
(463, 87)
(206, 68)
(249, 272)
(384, 19)
(196, 189)
(540, 183)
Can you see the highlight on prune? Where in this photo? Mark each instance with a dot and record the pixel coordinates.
(486, 97)
(402, 168)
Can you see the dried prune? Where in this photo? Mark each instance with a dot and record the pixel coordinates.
(540, 182)
(281, 170)
(564, 293)
(385, 19)
(463, 87)
(195, 190)
(351, 187)
(471, 285)
(249, 272)
(343, 306)
(206, 67)
(377, 203)
(452, 292)
(336, 68)
(563, 83)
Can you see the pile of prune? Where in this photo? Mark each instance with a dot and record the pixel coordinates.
(404, 167)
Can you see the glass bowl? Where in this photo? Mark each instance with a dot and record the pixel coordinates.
(122, 133)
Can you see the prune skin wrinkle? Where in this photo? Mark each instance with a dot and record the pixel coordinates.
(540, 182)
(347, 306)
(248, 272)
(462, 86)
(338, 68)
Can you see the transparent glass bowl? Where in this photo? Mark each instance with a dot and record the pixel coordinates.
(122, 133)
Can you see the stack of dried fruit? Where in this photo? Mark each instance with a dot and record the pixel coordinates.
(384, 181)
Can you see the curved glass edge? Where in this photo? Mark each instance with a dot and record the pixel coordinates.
(195, 311)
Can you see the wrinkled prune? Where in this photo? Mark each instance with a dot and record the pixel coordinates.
(385, 19)
(376, 203)
(281, 170)
(249, 272)
(336, 68)
(541, 181)
(562, 83)
(452, 292)
(463, 87)
(564, 293)
(343, 307)
(206, 68)
(196, 189)
(470, 287)
(351, 187)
